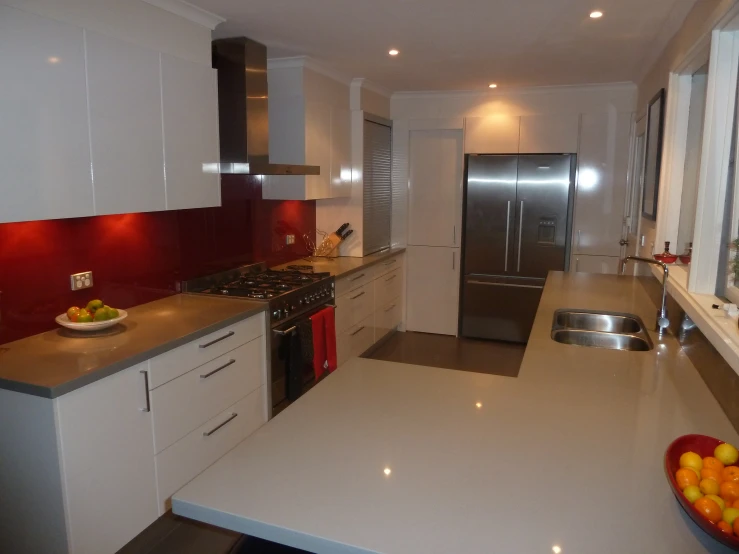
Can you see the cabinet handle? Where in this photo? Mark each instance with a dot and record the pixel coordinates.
(454, 236)
(357, 296)
(146, 385)
(224, 337)
(229, 420)
(358, 277)
(454, 260)
(391, 262)
(390, 308)
(358, 330)
(224, 366)
(577, 265)
(579, 236)
(391, 278)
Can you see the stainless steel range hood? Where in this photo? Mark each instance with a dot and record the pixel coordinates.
(243, 108)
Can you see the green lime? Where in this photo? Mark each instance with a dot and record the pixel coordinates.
(112, 312)
(84, 316)
(94, 305)
(101, 314)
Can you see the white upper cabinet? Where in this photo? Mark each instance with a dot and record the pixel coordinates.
(603, 164)
(341, 153)
(190, 103)
(494, 134)
(44, 136)
(549, 134)
(436, 171)
(125, 126)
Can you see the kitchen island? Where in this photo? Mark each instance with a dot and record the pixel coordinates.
(403, 459)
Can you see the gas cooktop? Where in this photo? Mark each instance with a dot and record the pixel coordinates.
(266, 284)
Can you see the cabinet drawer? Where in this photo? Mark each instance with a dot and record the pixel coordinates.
(387, 318)
(354, 307)
(388, 287)
(185, 459)
(174, 363)
(355, 340)
(184, 403)
(354, 281)
(389, 265)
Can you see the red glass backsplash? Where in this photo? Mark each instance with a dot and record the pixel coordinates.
(137, 258)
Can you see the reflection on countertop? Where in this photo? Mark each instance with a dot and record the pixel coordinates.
(56, 362)
(343, 265)
(567, 455)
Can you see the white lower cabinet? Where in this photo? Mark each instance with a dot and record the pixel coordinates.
(107, 458)
(433, 299)
(88, 471)
(368, 306)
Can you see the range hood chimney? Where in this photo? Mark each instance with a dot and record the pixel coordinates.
(243, 110)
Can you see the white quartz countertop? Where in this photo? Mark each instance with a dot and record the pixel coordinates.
(568, 454)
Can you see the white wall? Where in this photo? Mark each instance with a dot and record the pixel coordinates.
(610, 99)
(131, 20)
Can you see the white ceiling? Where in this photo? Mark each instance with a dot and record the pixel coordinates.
(462, 44)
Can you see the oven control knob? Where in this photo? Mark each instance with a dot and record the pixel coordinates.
(277, 314)
(300, 302)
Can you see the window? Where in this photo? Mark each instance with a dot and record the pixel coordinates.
(378, 200)
(726, 280)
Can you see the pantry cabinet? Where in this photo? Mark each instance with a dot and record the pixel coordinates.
(90, 122)
(494, 134)
(549, 134)
(433, 291)
(596, 264)
(44, 135)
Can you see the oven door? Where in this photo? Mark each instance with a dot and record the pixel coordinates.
(289, 371)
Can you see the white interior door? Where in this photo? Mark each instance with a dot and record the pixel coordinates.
(432, 289)
(436, 171)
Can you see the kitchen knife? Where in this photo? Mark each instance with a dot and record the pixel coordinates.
(345, 235)
(341, 229)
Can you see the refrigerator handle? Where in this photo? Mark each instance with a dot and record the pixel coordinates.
(507, 233)
(520, 232)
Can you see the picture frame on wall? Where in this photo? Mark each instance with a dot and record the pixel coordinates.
(653, 156)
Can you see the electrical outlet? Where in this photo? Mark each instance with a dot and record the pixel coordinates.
(80, 281)
(289, 239)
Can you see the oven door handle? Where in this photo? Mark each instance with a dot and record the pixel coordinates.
(287, 331)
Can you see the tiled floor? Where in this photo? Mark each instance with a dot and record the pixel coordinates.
(480, 356)
(171, 534)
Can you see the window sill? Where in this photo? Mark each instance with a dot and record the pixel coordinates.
(722, 332)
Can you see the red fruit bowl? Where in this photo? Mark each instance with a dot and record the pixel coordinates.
(703, 446)
(671, 259)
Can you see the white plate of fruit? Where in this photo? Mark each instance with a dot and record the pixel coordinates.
(93, 317)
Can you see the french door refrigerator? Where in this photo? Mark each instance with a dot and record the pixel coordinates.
(517, 227)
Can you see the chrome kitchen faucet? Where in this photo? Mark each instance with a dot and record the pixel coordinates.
(662, 321)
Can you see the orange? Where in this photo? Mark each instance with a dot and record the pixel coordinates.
(730, 473)
(708, 509)
(725, 527)
(712, 463)
(729, 491)
(735, 504)
(711, 474)
(736, 526)
(685, 477)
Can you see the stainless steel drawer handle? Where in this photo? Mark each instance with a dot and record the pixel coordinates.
(357, 296)
(358, 331)
(146, 385)
(224, 337)
(358, 277)
(229, 420)
(391, 278)
(390, 308)
(224, 366)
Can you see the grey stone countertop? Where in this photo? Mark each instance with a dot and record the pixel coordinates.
(343, 266)
(57, 362)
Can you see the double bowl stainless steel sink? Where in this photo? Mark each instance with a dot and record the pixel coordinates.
(601, 330)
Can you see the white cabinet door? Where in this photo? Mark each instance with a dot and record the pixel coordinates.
(341, 153)
(603, 163)
(318, 148)
(108, 462)
(549, 134)
(44, 136)
(190, 102)
(596, 264)
(436, 172)
(494, 134)
(432, 289)
(125, 126)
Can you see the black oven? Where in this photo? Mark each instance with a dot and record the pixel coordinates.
(288, 370)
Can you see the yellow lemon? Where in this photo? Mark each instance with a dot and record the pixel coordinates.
(692, 460)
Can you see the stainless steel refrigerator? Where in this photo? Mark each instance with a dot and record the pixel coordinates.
(517, 227)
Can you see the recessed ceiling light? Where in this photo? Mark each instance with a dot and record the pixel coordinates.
(394, 52)
(492, 85)
(596, 14)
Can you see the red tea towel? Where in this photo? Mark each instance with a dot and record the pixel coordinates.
(324, 341)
